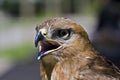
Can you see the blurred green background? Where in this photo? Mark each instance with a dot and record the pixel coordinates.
(18, 19)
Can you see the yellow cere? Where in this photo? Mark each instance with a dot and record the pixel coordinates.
(43, 31)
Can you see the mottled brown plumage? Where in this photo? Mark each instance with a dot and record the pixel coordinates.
(67, 54)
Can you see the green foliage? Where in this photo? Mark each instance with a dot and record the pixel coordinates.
(18, 52)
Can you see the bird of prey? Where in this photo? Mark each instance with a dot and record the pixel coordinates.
(66, 53)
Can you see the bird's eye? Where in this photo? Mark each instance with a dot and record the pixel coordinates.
(63, 33)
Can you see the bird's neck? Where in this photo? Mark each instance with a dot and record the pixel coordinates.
(47, 64)
(84, 48)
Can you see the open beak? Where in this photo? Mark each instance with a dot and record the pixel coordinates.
(45, 45)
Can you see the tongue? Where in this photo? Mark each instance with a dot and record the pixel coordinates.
(46, 46)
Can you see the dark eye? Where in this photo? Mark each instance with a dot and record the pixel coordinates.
(63, 33)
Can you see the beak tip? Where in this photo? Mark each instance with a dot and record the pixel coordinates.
(38, 58)
(40, 55)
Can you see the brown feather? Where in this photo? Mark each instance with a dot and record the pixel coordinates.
(78, 61)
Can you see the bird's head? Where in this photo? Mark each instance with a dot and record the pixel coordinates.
(59, 37)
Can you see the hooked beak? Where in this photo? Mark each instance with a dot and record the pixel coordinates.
(39, 37)
(46, 45)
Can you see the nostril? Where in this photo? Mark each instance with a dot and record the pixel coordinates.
(44, 34)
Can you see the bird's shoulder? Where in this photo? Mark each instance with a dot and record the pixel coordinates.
(85, 69)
